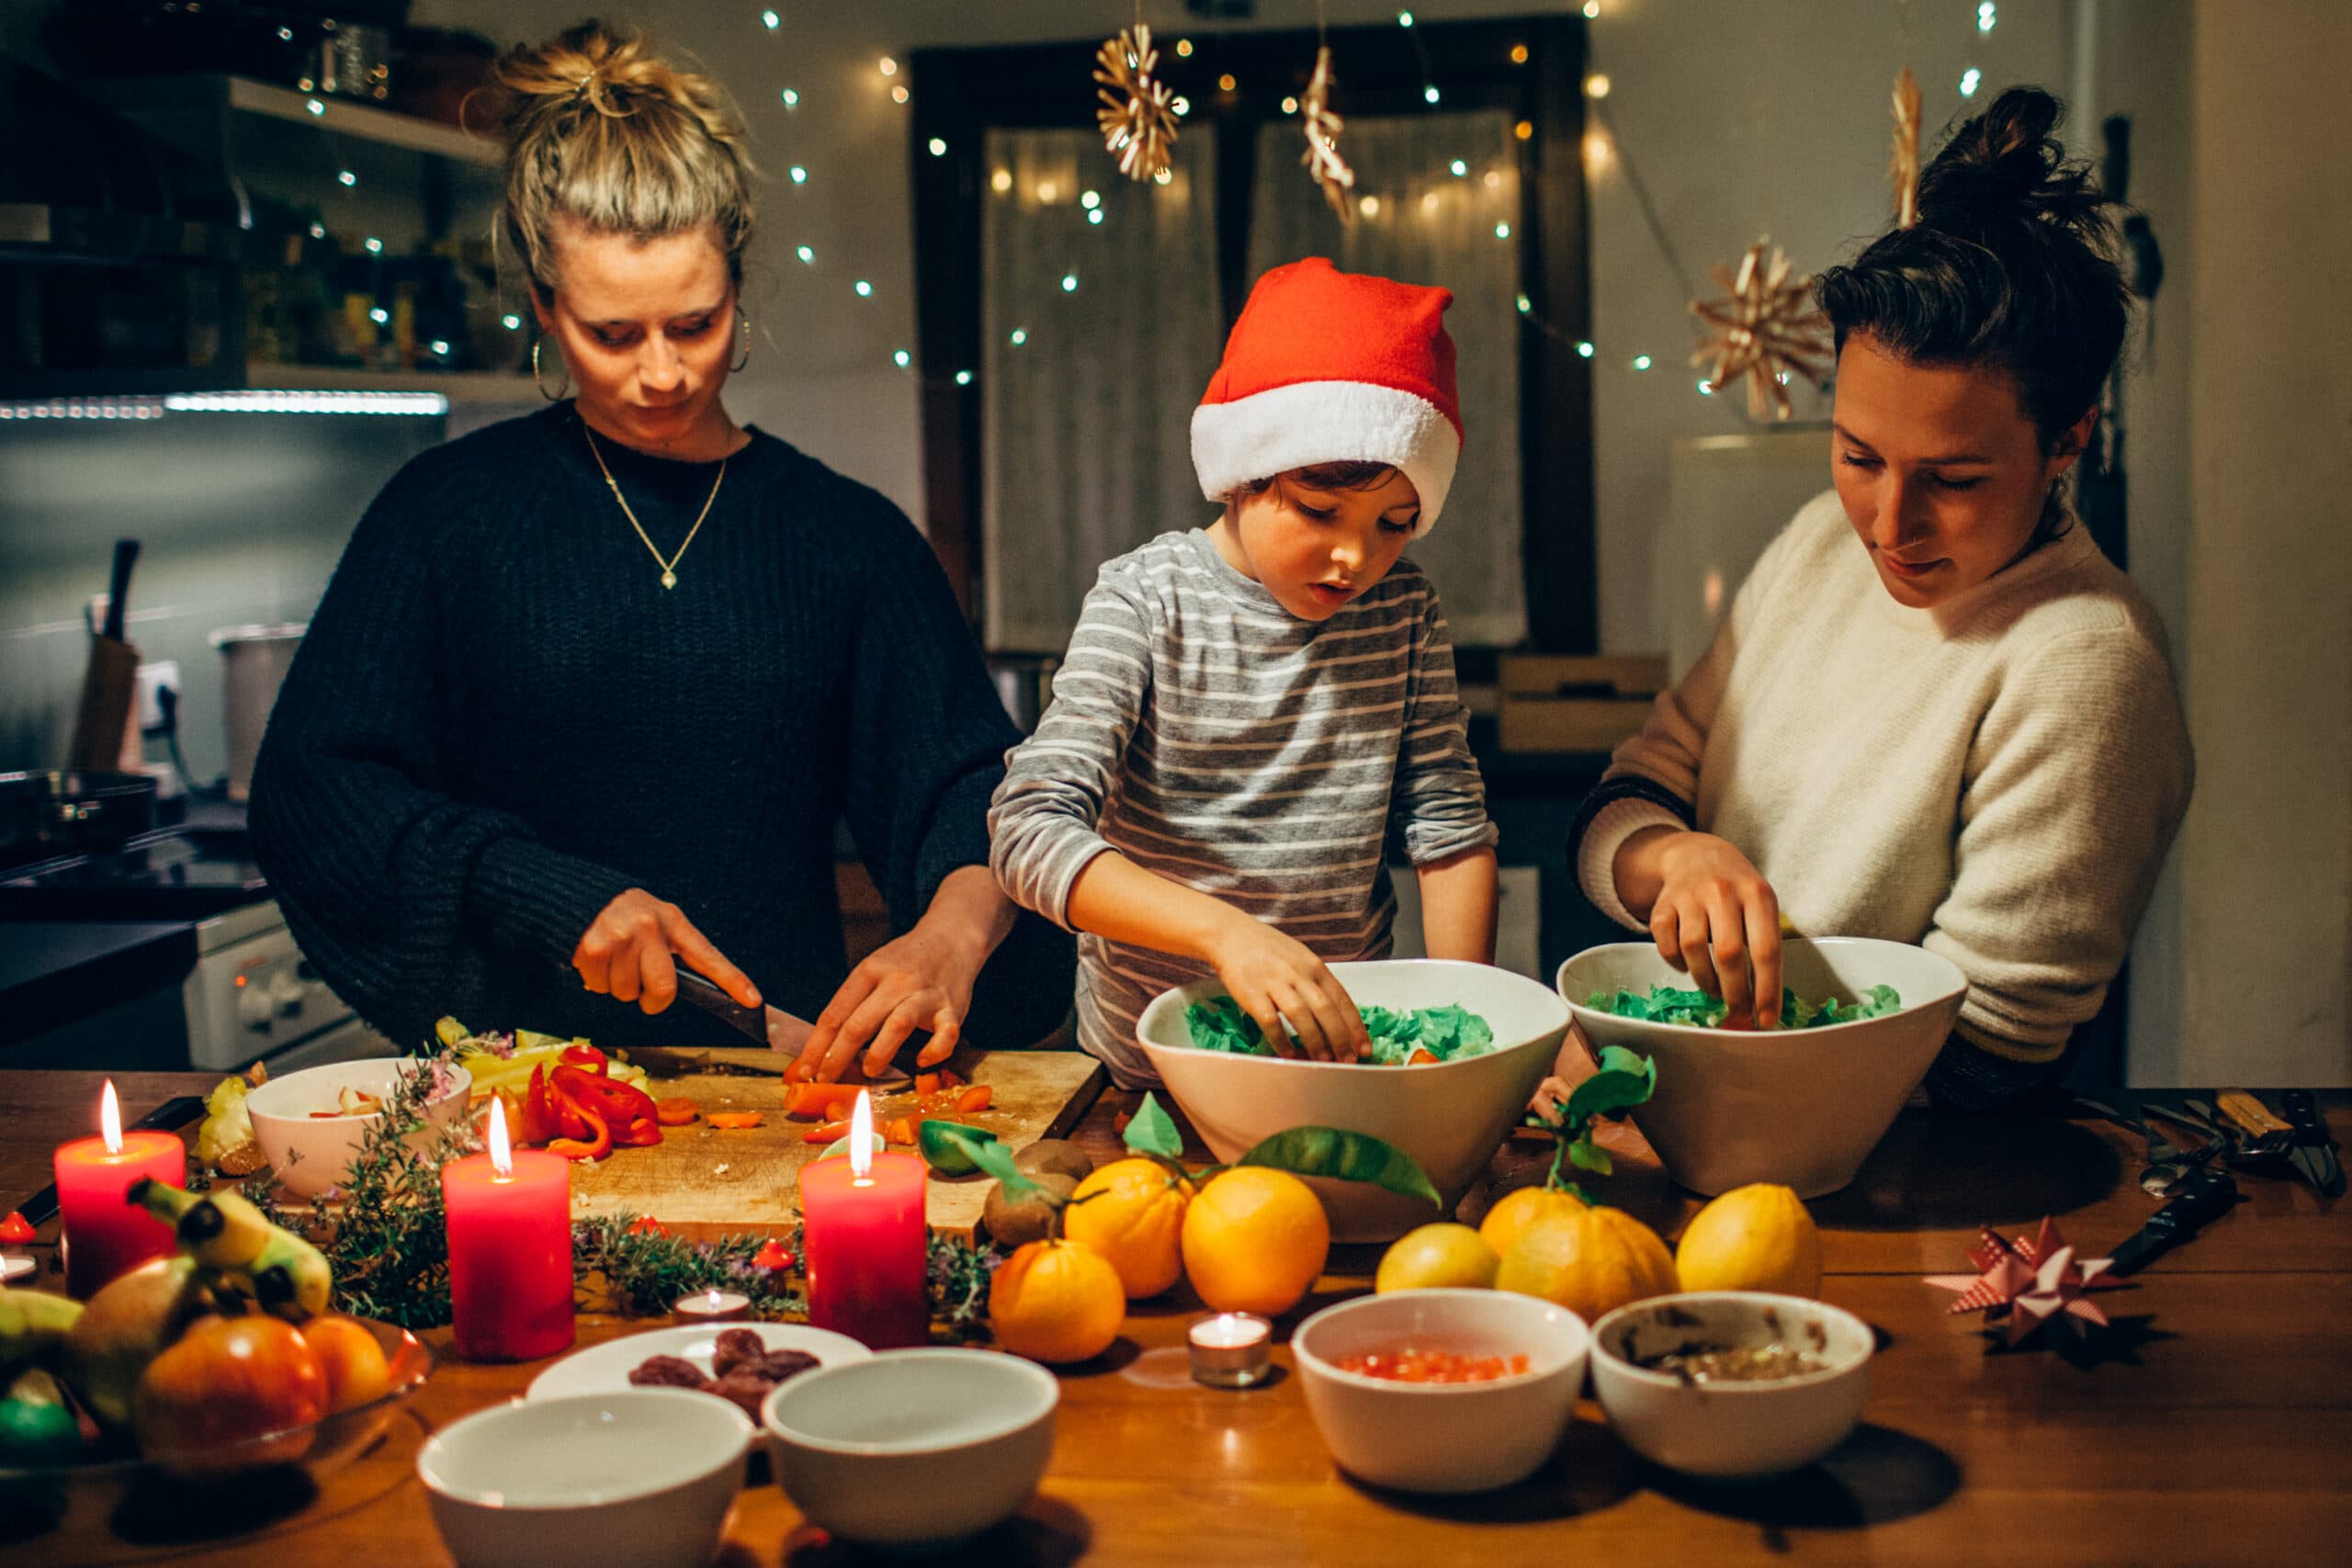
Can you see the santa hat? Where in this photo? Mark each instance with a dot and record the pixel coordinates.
(1331, 366)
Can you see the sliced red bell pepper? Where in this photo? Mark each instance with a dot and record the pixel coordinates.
(825, 1132)
(584, 1056)
(595, 1146)
(734, 1121)
(537, 1123)
(798, 1071)
(821, 1099)
(976, 1098)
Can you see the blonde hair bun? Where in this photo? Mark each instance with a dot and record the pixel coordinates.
(603, 131)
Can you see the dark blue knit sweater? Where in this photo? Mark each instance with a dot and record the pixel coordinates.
(501, 719)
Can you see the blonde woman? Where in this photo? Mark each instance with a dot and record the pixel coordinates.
(590, 688)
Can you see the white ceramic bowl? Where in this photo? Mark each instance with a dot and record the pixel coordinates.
(310, 1153)
(912, 1448)
(1450, 1116)
(1730, 1429)
(1442, 1437)
(641, 1478)
(1800, 1107)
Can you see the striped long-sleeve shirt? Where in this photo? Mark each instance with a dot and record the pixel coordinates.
(1212, 738)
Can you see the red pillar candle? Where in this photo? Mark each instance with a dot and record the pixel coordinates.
(105, 1234)
(864, 1242)
(510, 1249)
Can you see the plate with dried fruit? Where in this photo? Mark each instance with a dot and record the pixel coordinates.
(737, 1361)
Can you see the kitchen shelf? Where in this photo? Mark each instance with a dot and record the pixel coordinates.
(364, 121)
(458, 386)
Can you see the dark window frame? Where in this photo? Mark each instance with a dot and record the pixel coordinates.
(958, 95)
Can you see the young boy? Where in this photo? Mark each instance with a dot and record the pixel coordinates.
(1250, 712)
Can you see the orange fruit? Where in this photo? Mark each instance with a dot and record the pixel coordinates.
(1254, 1239)
(352, 1360)
(1515, 1210)
(1132, 1212)
(1758, 1237)
(1591, 1262)
(229, 1380)
(1055, 1301)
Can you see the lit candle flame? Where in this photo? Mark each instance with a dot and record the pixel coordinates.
(502, 1154)
(861, 1136)
(110, 1119)
(714, 1299)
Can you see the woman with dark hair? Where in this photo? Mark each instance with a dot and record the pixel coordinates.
(518, 763)
(1936, 713)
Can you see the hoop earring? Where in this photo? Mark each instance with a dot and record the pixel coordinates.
(743, 357)
(541, 383)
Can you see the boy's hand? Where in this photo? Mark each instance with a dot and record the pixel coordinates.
(1274, 976)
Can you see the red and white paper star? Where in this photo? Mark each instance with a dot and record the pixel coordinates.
(2021, 1285)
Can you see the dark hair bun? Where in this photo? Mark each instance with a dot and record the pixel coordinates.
(2008, 165)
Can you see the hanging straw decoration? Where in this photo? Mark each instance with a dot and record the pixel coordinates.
(1765, 329)
(1138, 126)
(1903, 171)
(1331, 172)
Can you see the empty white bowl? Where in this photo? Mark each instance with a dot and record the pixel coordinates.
(1800, 1107)
(1442, 1437)
(310, 1153)
(640, 1479)
(1730, 1429)
(1450, 1116)
(912, 1448)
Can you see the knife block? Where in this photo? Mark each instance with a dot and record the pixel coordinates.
(103, 740)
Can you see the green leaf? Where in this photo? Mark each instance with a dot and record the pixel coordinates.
(988, 1154)
(1150, 1131)
(1350, 1156)
(947, 1156)
(1623, 1081)
(1590, 1155)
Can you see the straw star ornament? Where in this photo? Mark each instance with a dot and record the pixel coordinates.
(1136, 117)
(1764, 329)
(2021, 1285)
(1331, 172)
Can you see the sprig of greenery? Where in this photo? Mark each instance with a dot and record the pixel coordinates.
(633, 1266)
(959, 1273)
(1623, 1081)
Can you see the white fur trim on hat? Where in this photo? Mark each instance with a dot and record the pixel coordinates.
(1268, 433)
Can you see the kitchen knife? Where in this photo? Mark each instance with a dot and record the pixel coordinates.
(169, 1117)
(2314, 1150)
(772, 1027)
(2203, 1195)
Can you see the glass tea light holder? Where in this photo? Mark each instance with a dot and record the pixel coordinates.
(1231, 1349)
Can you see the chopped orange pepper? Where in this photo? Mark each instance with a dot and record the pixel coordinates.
(821, 1099)
(798, 1071)
(899, 1130)
(675, 1112)
(733, 1120)
(1420, 1055)
(976, 1098)
(950, 1078)
(926, 1083)
(825, 1132)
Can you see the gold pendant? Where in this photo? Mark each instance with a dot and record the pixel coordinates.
(668, 580)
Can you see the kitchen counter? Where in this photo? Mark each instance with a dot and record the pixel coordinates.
(63, 979)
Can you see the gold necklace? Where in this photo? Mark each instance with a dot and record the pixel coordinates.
(668, 568)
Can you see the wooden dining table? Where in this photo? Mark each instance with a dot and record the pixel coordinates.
(2209, 1423)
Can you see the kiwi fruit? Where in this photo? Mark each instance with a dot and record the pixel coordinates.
(1055, 1156)
(1016, 1221)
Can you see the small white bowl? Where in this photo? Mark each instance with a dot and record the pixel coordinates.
(912, 1448)
(642, 1479)
(1450, 1116)
(1442, 1437)
(1802, 1107)
(310, 1153)
(1730, 1429)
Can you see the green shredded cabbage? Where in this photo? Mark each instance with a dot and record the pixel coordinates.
(1667, 1004)
(1449, 1033)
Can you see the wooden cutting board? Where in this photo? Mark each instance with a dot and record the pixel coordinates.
(750, 1180)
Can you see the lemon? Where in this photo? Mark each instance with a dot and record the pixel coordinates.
(1055, 1301)
(1437, 1256)
(1254, 1239)
(1515, 1210)
(1752, 1239)
(1591, 1262)
(1132, 1212)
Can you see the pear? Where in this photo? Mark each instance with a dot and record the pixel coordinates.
(126, 1324)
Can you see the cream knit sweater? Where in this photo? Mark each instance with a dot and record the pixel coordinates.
(1997, 779)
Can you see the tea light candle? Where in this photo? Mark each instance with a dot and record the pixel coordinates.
(1229, 1348)
(864, 1241)
(510, 1249)
(711, 1306)
(105, 1234)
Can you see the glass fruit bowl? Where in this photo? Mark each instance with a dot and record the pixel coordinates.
(101, 1496)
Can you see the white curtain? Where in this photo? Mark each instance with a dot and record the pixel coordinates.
(1419, 222)
(1088, 391)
